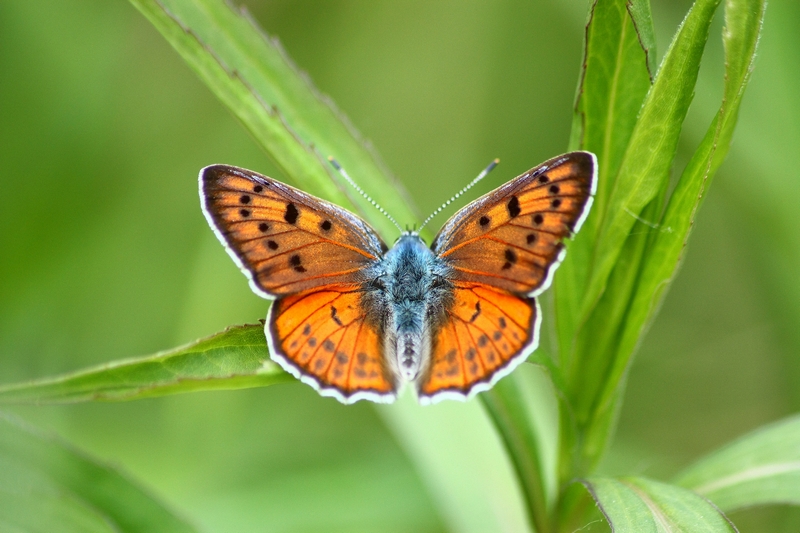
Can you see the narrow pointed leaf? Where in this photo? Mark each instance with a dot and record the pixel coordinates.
(643, 22)
(760, 468)
(614, 81)
(47, 486)
(645, 167)
(297, 126)
(233, 359)
(666, 248)
(639, 505)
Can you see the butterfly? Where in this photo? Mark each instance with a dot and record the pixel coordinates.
(357, 320)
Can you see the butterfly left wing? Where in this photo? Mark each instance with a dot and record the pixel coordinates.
(503, 250)
(284, 240)
(326, 339)
(312, 256)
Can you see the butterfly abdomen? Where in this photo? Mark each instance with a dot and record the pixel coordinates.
(413, 295)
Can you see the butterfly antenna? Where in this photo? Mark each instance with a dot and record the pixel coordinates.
(353, 184)
(462, 191)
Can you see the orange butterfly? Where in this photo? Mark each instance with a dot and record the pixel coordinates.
(356, 320)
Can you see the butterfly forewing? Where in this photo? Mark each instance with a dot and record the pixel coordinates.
(325, 338)
(487, 333)
(512, 238)
(286, 241)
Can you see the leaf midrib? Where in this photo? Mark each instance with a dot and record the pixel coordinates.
(750, 474)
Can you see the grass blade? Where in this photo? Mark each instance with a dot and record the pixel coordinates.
(462, 461)
(297, 126)
(524, 410)
(233, 359)
(47, 486)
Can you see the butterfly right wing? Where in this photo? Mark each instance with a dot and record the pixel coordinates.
(503, 250)
(326, 339)
(284, 240)
(486, 334)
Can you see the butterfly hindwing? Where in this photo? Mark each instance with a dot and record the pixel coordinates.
(487, 333)
(284, 240)
(512, 237)
(325, 338)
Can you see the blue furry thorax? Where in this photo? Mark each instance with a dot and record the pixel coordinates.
(410, 284)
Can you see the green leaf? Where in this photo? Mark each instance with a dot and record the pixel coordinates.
(47, 486)
(666, 246)
(643, 22)
(639, 505)
(588, 352)
(236, 358)
(614, 81)
(644, 170)
(760, 468)
(297, 126)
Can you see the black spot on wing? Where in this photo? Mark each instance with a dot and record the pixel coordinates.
(296, 263)
(291, 213)
(335, 317)
(477, 312)
(511, 258)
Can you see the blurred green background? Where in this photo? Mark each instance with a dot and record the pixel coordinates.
(104, 252)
